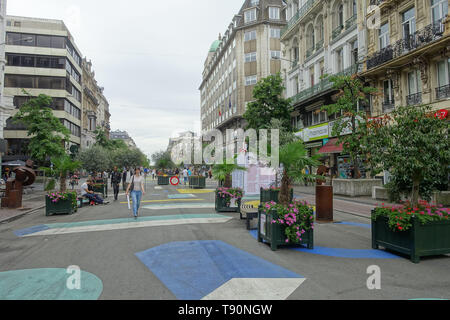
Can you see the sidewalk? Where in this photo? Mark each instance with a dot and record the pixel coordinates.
(30, 203)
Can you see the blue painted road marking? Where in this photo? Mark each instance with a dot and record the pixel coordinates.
(180, 196)
(194, 269)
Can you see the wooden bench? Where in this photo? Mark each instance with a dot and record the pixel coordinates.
(250, 213)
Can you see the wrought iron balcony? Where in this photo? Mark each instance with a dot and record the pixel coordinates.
(417, 40)
(294, 63)
(388, 105)
(337, 32)
(351, 22)
(443, 92)
(300, 14)
(319, 45)
(376, 2)
(309, 52)
(414, 99)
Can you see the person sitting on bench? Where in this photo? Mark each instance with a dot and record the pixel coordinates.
(94, 198)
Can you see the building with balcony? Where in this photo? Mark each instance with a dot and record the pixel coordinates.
(249, 50)
(321, 38)
(409, 54)
(41, 58)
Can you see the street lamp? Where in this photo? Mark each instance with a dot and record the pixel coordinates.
(28, 39)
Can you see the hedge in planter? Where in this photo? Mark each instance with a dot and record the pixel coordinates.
(416, 231)
(197, 182)
(224, 197)
(286, 225)
(60, 203)
(163, 180)
(271, 194)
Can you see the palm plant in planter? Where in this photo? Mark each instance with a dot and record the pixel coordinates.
(61, 202)
(225, 193)
(290, 221)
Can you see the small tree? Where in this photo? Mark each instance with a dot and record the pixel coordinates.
(413, 145)
(62, 166)
(95, 159)
(294, 158)
(352, 93)
(269, 104)
(222, 172)
(47, 134)
(162, 160)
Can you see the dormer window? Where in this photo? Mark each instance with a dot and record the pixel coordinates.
(250, 15)
(274, 13)
(254, 3)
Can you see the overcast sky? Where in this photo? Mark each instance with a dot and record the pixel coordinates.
(148, 55)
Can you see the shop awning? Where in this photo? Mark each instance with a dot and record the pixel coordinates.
(332, 146)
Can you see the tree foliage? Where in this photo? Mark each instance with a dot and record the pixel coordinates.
(269, 104)
(413, 145)
(222, 172)
(62, 166)
(162, 160)
(47, 134)
(95, 159)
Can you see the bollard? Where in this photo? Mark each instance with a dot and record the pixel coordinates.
(324, 203)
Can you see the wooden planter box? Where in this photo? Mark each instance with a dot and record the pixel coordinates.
(60, 207)
(103, 189)
(221, 205)
(197, 182)
(274, 234)
(271, 195)
(419, 241)
(163, 181)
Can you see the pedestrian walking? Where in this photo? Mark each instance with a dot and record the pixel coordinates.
(185, 176)
(116, 177)
(154, 174)
(137, 189)
(125, 178)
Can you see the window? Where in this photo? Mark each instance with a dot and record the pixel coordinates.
(250, 57)
(250, 16)
(340, 15)
(254, 3)
(414, 82)
(275, 55)
(34, 82)
(439, 8)
(383, 38)
(408, 23)
(275, 33)
(388, 92)
(274, 13)
(340, 60)
(251, 80)
(250, 35)
(44, 41)
(311, 76)
(443, 68)
(354, 56)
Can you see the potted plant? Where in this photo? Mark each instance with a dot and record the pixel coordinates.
(228, 199)
(272, 194)
(417, 231)
(277, 223)
(285, 225)
(225, 193)
(61, 202)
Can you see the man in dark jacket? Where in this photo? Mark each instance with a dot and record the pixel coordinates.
(116, 176)
(124, 179)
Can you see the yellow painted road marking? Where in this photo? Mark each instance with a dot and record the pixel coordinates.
(196, 190)
(169, 200)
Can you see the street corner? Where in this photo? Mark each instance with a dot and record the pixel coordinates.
(215, 270)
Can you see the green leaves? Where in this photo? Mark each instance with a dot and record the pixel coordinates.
(294, 158)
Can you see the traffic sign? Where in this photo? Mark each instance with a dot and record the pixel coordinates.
(174, 181)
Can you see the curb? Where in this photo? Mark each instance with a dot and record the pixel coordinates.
(10, 219)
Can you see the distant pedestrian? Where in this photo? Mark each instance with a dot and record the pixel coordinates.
(185, 176)
(116, 177)
(125, 178)
(137, 189)
(210, 173)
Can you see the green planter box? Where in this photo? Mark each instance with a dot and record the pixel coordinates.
(221, 205)
(271, 195)
(419, 241)
(274, 234)
(103, 189)
(60, 207)
(197, 182)
(163, 181)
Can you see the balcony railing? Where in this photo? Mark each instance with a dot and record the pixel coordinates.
(319, 45)
(309, 52)
(337, 32)
(417, 40)
(414, 99)
(300, 14)
(294, 63)
(388, 105)
(350, 22)
(322, 86)
(443, 92)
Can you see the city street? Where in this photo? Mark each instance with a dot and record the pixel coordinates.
(180, 248)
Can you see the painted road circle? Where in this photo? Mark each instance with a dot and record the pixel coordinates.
(174, 181)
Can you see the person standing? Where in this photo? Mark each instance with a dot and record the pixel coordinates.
(116, 177)
(137, 189)
(124, 179)
(185, 176)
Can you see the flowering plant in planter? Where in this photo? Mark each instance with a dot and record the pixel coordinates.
(400, 216)
(230, 193)
(297, 217)
(56, 196)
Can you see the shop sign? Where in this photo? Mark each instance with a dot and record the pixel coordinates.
(317, 132)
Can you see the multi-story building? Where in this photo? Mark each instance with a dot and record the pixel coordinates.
(90, 105)
(249, 50)
(6, 102)
(123, 135)
(42, 58)
(321, 38)
(104, 115)
(409, 54)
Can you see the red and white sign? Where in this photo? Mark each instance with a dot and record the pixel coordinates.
(441, 114)
(174, 181)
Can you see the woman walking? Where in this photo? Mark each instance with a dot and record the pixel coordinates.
(137, 189)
